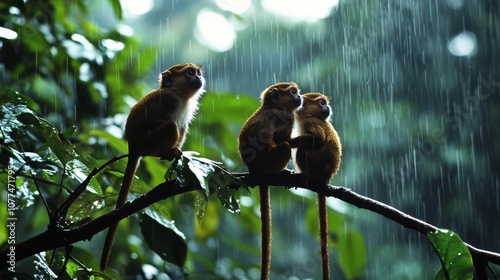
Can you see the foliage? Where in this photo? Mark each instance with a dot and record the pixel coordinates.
(72, 167)
(455, 258)
(62, 58)
(418, 130)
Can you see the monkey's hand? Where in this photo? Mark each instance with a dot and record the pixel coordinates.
(305, 141)
(175, 153)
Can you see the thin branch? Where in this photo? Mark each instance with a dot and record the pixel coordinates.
(56, 237)
(61, 211)
(363, 202)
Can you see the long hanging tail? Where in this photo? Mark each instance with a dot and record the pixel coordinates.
(265, 217)
(323, 236)
(122, 198)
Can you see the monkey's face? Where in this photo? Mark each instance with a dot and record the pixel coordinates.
(183, 76)
(194, 77)
(315, 105)
(282, 95)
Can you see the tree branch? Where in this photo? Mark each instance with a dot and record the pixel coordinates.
(59, 236)
(479, 256)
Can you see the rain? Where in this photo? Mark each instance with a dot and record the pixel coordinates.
(414, 88)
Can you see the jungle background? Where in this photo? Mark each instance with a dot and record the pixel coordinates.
(415, 93)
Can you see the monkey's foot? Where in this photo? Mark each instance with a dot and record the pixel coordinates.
(286, 171)
(175, 153)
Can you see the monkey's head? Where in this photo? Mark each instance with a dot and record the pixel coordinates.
(314, 105)
(282, 96)
(186, 77)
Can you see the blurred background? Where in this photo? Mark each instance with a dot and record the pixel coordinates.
(414, 88)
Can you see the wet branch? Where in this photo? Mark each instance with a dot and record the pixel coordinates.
(57, 236)
(480, 257)
(60, 236)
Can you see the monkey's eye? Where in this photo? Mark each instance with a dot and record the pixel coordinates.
(322, 102)
(293, 91)
(190, 72)
(198, 73)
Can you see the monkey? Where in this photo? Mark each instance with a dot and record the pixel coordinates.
(318, 156)
(157, 126)
(263, 147)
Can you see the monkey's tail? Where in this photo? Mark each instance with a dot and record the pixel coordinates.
(122, 198)
(265, 218)
(323, 236)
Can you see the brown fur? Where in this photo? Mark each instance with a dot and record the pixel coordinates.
(264, 149)
(157, 126)
(318, 156)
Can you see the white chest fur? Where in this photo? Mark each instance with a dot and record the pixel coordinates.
(184, 116)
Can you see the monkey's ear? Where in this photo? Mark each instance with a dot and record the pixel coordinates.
(166, 79)
(274, 94)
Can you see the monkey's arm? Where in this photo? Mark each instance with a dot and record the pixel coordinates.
(306, 141)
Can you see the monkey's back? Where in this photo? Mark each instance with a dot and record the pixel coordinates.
(153, 109)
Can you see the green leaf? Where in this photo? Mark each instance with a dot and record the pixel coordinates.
(57, 142)
(227, 199)
(201, 168)
(10, 126)
(84, 207)
(207, 176)
(164, 238)
(111, 140)
(214, 179)
(351, 253)
(86, 256)
(455, 258)
(336, 222)
(208, 226)
(117, 8)
(200, 205)
(228, 107)
(78, 171)
(42, 268)
(10, 95)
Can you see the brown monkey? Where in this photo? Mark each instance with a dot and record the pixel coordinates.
(157, 126)
(264, 148)
(318, 156)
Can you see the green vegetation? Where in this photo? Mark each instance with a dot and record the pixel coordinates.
(418, 126)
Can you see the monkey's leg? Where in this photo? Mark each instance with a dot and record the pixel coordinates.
(163, 140)
(278, 158)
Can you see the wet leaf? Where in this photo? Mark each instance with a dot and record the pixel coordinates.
(335, 223)
(351, 253)
(42, 268)
(164, 238)
(200, 204)
(228, 200)
(455, 258)
(78, 171)
(209, 224)
(210, 177)
(57, 142)
(229, 107)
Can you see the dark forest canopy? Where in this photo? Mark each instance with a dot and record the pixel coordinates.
(415, 94)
